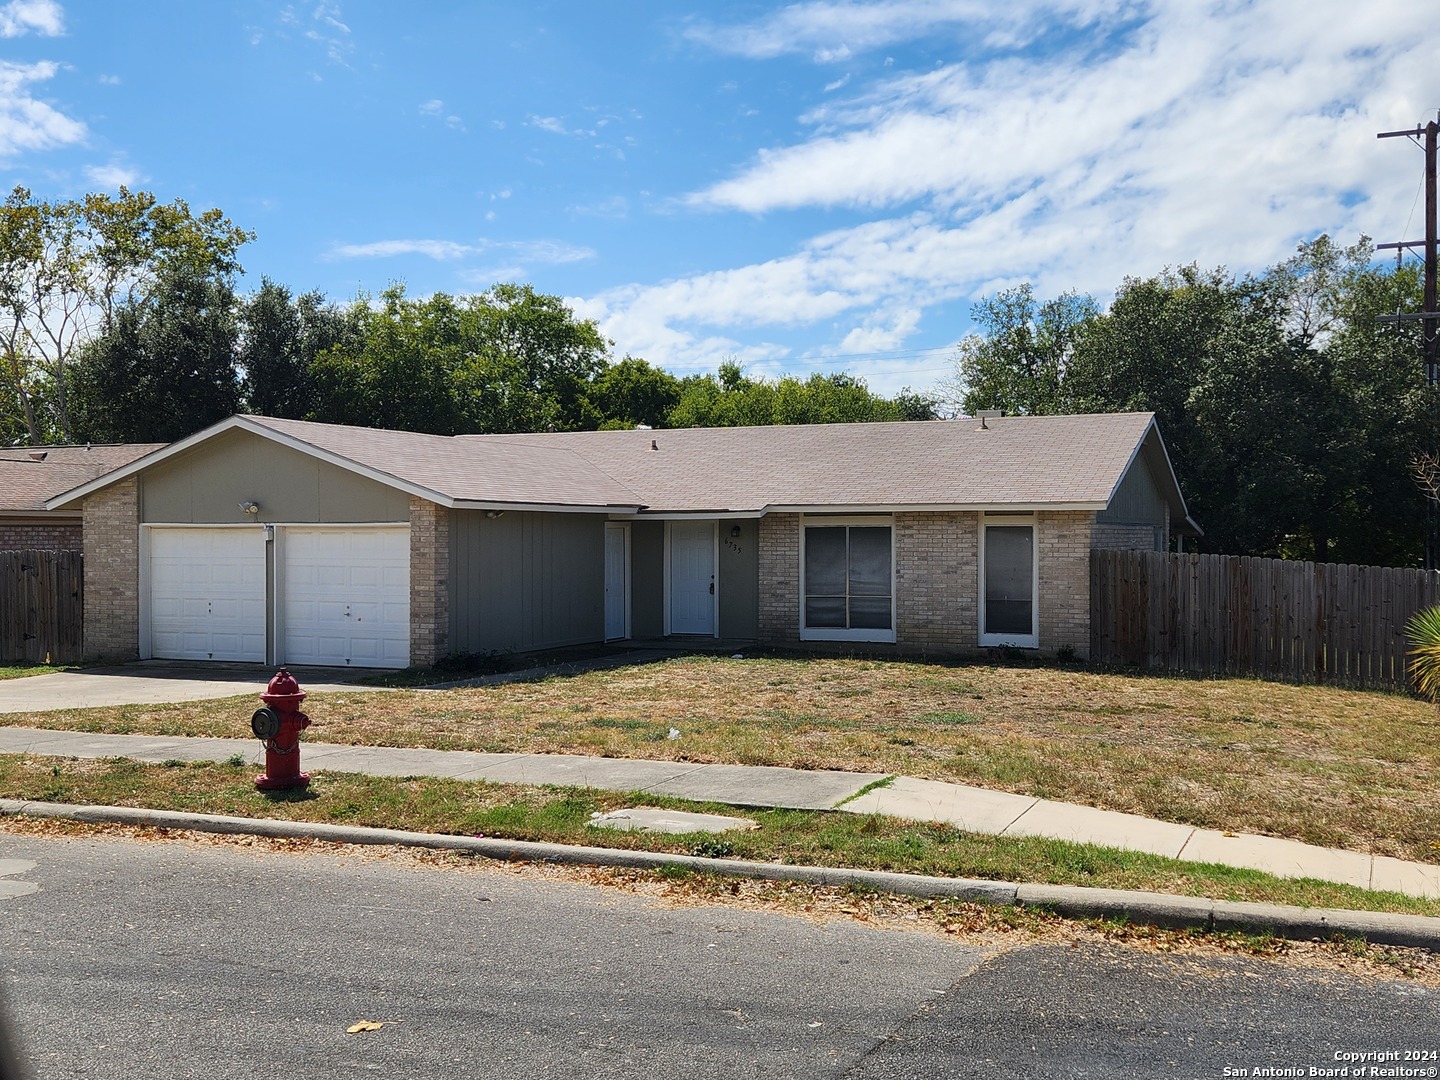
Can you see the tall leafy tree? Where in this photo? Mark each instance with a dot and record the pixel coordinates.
(68, 267)
(165, 367)
(280, 339)
(1292, 415)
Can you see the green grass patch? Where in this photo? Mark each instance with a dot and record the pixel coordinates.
(561, 815)
(24, 671)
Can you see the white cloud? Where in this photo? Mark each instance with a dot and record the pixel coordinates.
(26, 123)
(1194, 131)
(433, 107)
(556, 126)
(835, 31)
(19, 17)
(109, 177)
(440, 250)
(547, 252)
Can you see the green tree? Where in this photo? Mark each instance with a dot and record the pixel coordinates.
(632, 392)
(280, 339)
(1019, 360)
(397, 370)
(68, 267)
(165, 367)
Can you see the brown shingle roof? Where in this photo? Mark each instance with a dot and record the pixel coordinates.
(26, 483)
(1028, 462)
(466, 470)
(1017, 461)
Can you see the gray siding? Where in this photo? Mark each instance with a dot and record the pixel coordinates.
(525, 581)
(208, 484)
(647, 579)
(739, 585)
(1138, 516)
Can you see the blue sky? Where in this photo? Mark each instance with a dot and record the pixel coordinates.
(810, 187)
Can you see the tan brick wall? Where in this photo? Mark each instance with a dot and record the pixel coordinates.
(112, 572)
(936, 582)
(778, 556)
(1062, 542)
(429, 582)
(53, 536)
(1109, 537)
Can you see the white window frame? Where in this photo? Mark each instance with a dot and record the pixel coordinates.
(832, 633)
(1019, 641)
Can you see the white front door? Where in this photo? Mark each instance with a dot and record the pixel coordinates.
(207, 594)
(617, 582)
(692, 577)
(346, 597)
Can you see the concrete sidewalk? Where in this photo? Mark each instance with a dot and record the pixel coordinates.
(973, 809)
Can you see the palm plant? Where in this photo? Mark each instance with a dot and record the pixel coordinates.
(1423, 631)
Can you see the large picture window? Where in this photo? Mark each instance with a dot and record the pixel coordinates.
(1007, 616)
(848, 592)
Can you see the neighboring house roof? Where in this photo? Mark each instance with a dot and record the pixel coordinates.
(30, 476)
(1021, 463)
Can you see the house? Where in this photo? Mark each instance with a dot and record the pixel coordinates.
(284, 541)
(31, 475)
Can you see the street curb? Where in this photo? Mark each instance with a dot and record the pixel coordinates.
(1075, 902)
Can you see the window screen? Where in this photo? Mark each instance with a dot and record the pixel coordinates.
(847, 577)
(1009, 580)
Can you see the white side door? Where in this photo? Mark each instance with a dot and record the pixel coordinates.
(617, 581)
(207, 594)
(692, 572)
(346, 597)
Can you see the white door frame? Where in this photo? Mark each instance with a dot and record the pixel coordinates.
(1019, 641)
(624, 528)
(714, 576)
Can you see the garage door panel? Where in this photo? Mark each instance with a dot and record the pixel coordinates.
(347, 596)
(207, 594)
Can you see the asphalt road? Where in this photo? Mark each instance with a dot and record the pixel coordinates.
(174, 960)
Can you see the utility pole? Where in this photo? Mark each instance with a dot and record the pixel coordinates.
(1429, 316)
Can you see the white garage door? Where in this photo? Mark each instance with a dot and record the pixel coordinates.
(207, 594)
(347, 597)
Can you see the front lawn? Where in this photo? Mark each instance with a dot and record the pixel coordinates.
(1349, 769)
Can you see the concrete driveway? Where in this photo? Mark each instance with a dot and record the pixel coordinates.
(153, 682)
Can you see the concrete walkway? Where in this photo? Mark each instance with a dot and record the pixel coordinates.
(155, 682)
(973, 809)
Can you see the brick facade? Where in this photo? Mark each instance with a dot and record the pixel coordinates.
(50, 536)
(778, 555)
(1062, 546)
(429, 582)
(937, 581)
(112, 572)
(1110, 537)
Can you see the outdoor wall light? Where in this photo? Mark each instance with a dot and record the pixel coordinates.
(250, 507)
(493, 514)
(734, 530)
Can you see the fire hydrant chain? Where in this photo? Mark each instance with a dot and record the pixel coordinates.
(278, 726)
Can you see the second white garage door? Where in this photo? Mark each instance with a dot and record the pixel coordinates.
(347, 597)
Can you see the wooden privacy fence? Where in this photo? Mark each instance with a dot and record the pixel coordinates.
(41, 606)
(1297, 621)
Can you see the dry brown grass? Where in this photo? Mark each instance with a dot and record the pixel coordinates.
(1338, 767)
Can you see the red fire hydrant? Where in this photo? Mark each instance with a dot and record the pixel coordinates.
(278, 725)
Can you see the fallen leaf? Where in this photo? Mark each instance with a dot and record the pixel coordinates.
(368, 1025)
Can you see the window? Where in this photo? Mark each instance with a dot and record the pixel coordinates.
(847, 575)
(1007, 609)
